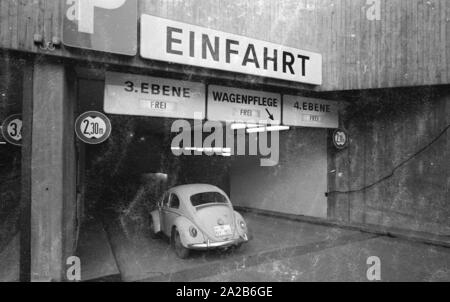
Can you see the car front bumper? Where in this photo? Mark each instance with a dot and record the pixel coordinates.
(218, 244)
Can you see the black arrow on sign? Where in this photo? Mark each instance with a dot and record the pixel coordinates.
(270, 114)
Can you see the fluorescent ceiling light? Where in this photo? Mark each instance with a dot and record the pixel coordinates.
(268, 128)
(256, 130)
(226, 154)
(277, 128)
(207, 149)
(221, 150)
(238, 126)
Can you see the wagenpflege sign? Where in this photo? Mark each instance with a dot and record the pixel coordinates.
(241, 105)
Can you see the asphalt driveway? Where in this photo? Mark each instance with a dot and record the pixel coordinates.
(140, 258)
(280, 250)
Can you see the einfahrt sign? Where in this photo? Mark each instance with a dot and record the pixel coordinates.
(177, 42)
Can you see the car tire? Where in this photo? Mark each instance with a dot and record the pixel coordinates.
(153, 234)
(180, 250)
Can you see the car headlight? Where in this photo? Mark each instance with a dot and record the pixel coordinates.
(193, 231)
(242, 224)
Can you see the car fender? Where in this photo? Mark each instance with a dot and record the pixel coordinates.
(156, 221)
(183, 224)
(239, 217)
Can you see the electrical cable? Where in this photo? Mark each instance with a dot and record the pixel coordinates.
(395, 168)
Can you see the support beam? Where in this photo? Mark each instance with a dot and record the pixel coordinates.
(52, 172)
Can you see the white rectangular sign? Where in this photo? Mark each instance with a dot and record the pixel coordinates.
(177, 42)
(240, 105)
(131, 94)
(309, 112)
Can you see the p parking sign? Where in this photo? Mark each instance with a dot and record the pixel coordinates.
(102, 25)
(93, 127)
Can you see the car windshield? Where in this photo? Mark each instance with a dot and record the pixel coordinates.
(207, 197)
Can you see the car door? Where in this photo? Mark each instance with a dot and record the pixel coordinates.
(172, 212)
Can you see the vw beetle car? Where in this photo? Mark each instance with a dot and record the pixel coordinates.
(198, 217)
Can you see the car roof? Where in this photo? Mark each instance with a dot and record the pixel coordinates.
(189, 190)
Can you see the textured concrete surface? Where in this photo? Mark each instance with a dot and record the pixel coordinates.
(282, 251)
(400, 261)
(97, 259)
(387, 129)
(297, 185)
(141, 258)
(9, 261)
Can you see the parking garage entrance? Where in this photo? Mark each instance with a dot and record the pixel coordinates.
(122, 180)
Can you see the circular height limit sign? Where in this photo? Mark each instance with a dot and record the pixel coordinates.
(93, 127)
(12, 130)
(340, 139)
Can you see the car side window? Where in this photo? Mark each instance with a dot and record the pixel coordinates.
(174, 201)
(166, 200)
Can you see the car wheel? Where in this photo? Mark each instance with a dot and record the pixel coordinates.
(153, 234)
(180, 250)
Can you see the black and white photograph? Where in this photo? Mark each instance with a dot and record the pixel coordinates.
(225, 146)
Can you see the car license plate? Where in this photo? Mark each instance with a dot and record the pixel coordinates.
(222, 230)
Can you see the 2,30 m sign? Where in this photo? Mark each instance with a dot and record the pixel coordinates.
(172, 41)
(93, 127)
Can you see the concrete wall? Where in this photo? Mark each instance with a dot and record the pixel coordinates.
(364, 45)
(386, 128)
(212, 170)
(297, 185)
